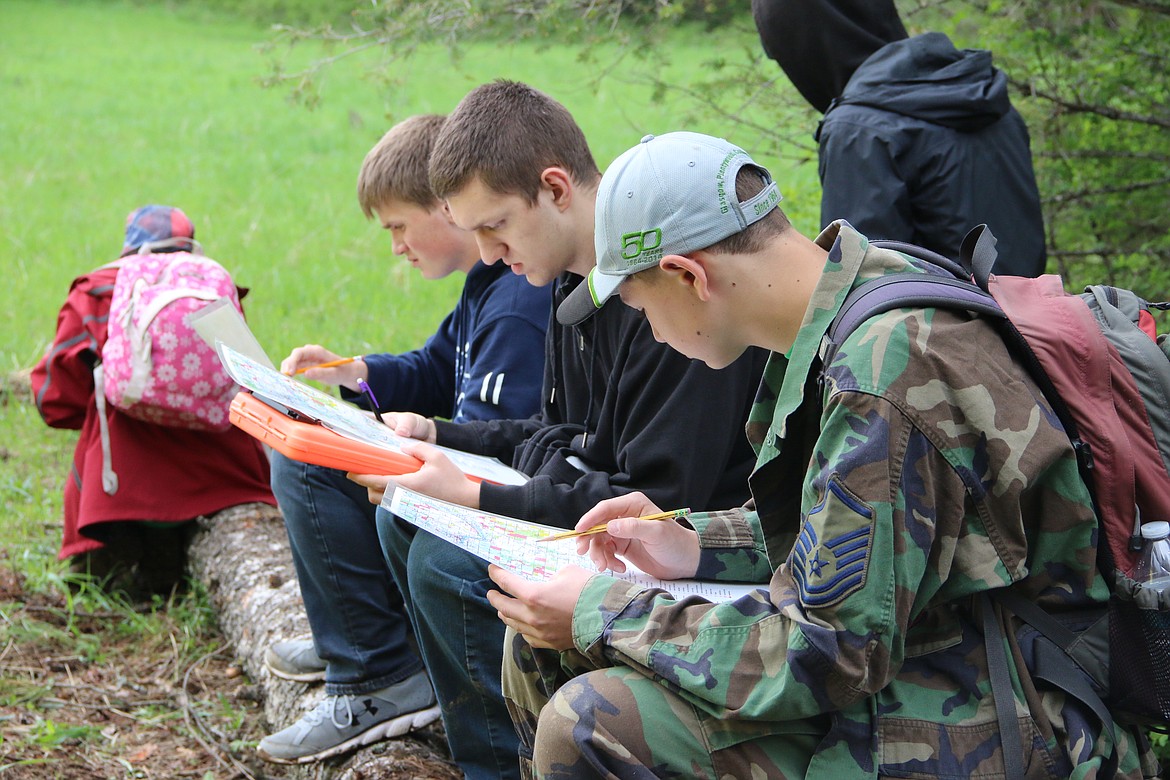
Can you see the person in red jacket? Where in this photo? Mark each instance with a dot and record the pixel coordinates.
(135, 538)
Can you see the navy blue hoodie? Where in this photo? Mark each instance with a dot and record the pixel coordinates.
(484, 361)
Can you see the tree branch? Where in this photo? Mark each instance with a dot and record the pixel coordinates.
(1103, 154)
(198, 730)
(1152, 6)
(1107, 250)
(1078, 107)
(1066, 197)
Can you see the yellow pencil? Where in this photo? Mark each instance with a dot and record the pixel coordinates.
(668, 515)
(330, 364)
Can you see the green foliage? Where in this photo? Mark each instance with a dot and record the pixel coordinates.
(48, 733)
(103, 119)
(1089, 76)
(1092, 83)
(268, 11)
(63, 631)
(31, 476)
(712, 14)
(1161, 744)
(15, 691)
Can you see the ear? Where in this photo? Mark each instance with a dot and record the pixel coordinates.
(559, 184)
(688, 271)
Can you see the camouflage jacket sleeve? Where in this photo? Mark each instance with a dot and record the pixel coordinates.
(731, 546)
(802, 647)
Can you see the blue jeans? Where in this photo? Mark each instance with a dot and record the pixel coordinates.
(354, 608)
(462, 642)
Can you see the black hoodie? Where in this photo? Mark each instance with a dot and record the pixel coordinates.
(819, 43)
(621, 412)
(919, 141)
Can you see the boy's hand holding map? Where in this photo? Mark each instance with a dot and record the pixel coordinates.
(542, 612)
(309, 425)
(512, 544)
(438, 477)
(628, 525)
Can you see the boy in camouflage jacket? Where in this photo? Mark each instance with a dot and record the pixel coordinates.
(922, 469)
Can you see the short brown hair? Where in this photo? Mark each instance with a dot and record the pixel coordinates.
(396, 168)
(505, 134)
(748, 183)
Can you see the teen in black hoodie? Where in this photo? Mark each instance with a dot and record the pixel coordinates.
(919, 141)
(621, 412)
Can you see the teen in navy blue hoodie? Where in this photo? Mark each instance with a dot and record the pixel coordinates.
(485, 361)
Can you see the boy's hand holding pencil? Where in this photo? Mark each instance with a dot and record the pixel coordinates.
(671, 514)
(322, 365)
(668, 550)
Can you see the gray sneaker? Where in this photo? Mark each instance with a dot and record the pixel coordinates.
(295, 659)
(342, 723)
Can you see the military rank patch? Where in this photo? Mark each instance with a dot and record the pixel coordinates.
(832, 553)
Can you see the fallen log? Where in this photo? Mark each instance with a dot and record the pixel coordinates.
(242, 558)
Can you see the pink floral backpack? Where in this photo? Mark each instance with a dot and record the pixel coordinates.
(154, 366)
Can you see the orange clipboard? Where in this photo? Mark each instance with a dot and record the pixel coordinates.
(307, 441)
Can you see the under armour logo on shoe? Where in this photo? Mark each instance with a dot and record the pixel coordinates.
(370, 708)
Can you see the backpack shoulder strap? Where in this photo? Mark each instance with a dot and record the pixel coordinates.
(954, 267)
(1011, 741)
(1056, 662)
(109, 476)
(908, 290)
(948, 285)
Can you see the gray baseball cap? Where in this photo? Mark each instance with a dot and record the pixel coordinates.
(670, 195)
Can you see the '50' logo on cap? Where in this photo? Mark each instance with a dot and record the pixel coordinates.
(637, 243)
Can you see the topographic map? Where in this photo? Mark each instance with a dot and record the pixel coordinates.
(512, 544)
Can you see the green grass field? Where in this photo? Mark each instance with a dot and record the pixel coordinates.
(108, 106)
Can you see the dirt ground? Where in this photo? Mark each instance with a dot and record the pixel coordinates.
(140, 711)
(143, 710)
(92, 695)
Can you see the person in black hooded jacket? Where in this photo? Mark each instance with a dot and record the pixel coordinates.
(919, 140)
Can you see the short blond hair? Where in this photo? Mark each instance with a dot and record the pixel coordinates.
(396, 168)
